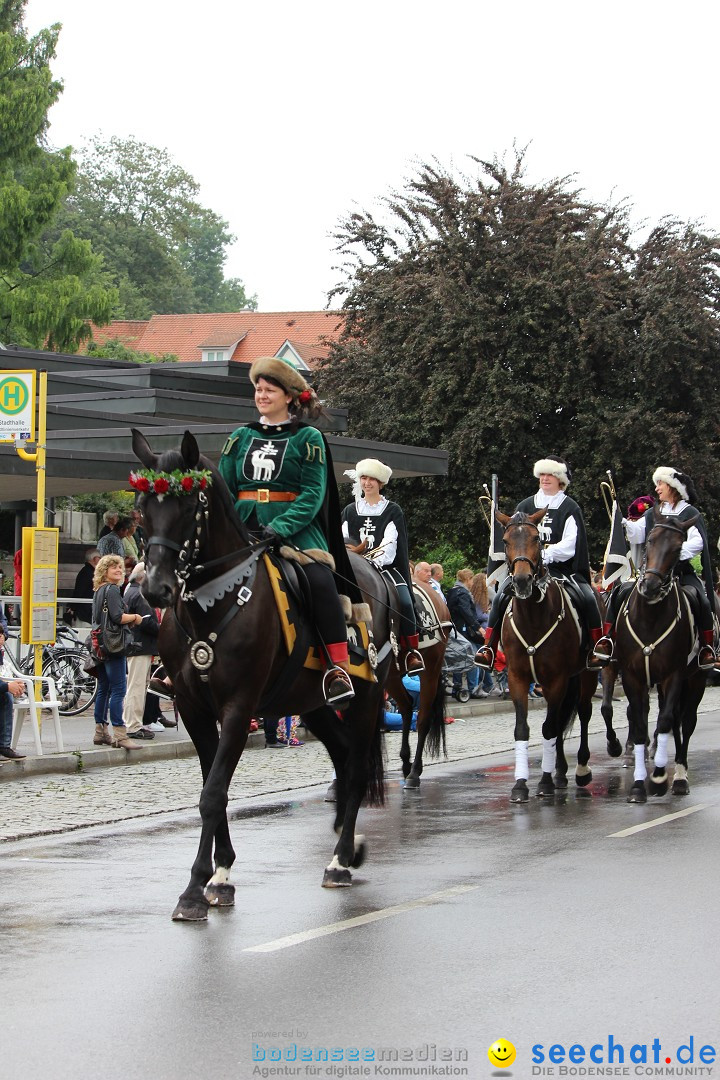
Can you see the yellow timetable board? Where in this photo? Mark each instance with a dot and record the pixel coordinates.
(39, 585)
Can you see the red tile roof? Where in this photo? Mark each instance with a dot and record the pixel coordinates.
(258, 333)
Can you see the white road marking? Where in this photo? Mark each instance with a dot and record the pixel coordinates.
(661, 820)
(360, 920)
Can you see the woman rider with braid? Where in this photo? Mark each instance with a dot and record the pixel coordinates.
(676, 495)
(565, 552)
(280, 471)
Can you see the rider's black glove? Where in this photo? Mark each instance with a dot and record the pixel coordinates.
(269, 534)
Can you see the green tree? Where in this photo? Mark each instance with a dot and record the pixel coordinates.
(503, 321)
(161, 248)
(48, 290)
(115, 349)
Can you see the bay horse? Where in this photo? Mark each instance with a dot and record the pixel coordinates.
(543, 643)
(654, 645)
(431, 707)
(228, 663)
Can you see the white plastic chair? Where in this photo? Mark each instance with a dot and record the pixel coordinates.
(32, 708)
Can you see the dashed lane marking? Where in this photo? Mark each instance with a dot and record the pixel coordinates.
(360, 920)
(661, 820)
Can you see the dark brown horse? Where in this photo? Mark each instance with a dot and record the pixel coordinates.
(228, 662)
(543, 643)
(431, 708)
(655, 635)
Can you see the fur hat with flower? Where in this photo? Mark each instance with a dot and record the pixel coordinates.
(679, 481)
(368, 467)
(553, 466)
(281, 371)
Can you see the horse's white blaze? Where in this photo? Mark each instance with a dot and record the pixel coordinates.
(640, 767)
(582, 770)
(549, 755)
(221, 876)
(661, 754)
(335, 864)
(680, 772)
(522, 766)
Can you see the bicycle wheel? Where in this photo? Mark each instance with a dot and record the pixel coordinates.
(76, 690)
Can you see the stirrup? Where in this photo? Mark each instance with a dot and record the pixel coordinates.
(337, 687)
(487, 662)
(417, 667)
(601, 656)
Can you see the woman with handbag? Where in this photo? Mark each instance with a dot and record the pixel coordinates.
(108, 619)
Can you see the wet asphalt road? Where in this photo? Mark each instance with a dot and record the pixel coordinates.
(535, 923)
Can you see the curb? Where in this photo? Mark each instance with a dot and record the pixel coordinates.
(72, 762)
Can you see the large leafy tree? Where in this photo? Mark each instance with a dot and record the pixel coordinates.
(48, 289)
(161, 248)
(503, 321)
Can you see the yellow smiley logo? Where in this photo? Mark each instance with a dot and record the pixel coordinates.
(501, 1053)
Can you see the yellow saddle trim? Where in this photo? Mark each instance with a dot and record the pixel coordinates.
(313, 661)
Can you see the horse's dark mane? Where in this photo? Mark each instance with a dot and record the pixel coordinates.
(519, 518)
(173, 459)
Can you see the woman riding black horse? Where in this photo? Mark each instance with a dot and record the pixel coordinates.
(565, 552)
(279, 470)
(676, 494)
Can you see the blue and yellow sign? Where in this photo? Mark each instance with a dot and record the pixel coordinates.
(17, 406)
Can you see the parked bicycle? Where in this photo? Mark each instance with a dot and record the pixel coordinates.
(62, 661)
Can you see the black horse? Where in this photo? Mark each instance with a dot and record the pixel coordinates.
(228, 662)
(654, 641)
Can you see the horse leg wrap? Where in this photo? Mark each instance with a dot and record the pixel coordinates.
(522, 767)
(640, 768)
(661, 754)
(549, 755)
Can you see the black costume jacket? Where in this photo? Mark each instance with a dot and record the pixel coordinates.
(551, 530)
(372, 527)
(685, 567)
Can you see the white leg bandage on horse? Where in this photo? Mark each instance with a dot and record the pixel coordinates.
(220, 877)
(640, 769)
(661, 754)
(522, 768)
(549, 756)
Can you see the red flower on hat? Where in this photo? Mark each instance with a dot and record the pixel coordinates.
(305, 397)
(187, 483)
(161, 485)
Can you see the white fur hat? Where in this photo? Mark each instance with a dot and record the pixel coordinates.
(554, 467)
(368, 467)
(673, 479)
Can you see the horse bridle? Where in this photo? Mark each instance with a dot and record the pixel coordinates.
(666, 580)
(538, 571)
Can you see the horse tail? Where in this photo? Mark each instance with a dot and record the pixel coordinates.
(375, 789)
(570, 703)
(435, 741)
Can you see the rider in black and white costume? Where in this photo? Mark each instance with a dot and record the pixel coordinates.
(374, 523)
(565, 551)
(676, 494)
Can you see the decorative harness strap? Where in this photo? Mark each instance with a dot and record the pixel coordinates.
(532, 649)
(648, 650)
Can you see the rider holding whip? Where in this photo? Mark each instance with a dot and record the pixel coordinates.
(565, 552)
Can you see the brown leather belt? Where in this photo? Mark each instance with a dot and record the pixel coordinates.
(264, 495)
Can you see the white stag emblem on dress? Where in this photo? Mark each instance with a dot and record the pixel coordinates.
(262, 463)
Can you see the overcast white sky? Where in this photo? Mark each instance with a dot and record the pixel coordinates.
(290, 114)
